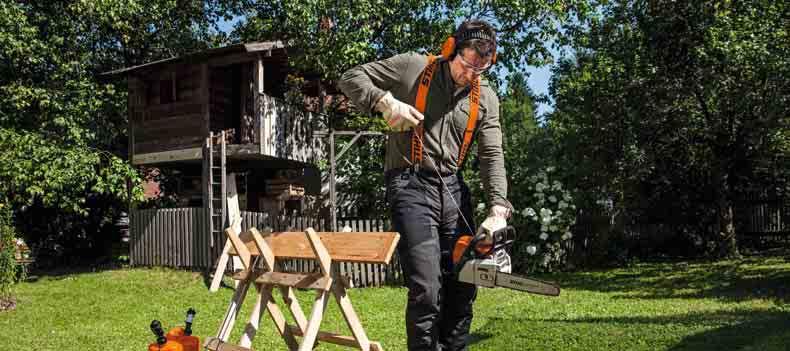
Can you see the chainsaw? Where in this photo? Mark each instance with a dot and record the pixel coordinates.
(482, 260)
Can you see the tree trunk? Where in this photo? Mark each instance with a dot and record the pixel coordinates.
(728, 247)
(727, 242)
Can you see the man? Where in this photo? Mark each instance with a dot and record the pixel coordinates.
(431, 104)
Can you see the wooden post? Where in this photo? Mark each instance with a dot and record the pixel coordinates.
(234, 214)
(259, 115)
(332, 183)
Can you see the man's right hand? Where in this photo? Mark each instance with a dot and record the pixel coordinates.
(400, 116)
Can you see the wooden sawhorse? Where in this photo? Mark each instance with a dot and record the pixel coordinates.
(327, 249)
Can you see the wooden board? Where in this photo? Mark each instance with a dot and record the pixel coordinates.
(337, 339)
(360, 247)
(296, 280)
(174, 126)
(164, 111)
(168, 145)
(168, 156)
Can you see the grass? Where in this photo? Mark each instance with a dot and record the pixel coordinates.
(730, 305)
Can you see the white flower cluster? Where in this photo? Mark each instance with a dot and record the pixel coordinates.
(552, 211)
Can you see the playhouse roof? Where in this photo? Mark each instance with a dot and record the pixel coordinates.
(275, 49)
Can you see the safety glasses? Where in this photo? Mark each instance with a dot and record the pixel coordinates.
(474, 69)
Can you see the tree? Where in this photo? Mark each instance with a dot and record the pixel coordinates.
(675, 103)
(331, 37)
(62, 126)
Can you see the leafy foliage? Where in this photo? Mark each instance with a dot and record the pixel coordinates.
(57, 176)
(62, 125)
(332, 37)
(546, 224)
(8, 267)
(671, 110)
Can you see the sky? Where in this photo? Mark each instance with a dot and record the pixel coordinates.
(538, 76)
(539, 82)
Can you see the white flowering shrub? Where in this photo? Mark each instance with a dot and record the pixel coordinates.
(543, 224)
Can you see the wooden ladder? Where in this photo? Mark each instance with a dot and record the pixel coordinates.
(327, 249)
(217, 181)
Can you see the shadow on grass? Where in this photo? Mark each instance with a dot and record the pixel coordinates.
(763, 331)
(63, 272)
(208, 277)
(59, 272)
(739, 330)
(475, 338)
(734, 280)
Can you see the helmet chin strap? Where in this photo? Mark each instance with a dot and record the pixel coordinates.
(441, 179)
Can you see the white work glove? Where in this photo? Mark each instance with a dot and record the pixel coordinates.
(400, 116)
(496, 220)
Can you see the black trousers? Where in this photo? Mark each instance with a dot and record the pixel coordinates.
(439, 308)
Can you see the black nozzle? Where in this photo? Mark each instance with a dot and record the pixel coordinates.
(188, 322)
(156, 328)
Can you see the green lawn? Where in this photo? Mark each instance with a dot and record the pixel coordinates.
(732, 305)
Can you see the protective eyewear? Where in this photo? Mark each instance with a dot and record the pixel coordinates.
(474, 69)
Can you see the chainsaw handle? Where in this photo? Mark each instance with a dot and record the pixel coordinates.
(500, 239)
(503, 238)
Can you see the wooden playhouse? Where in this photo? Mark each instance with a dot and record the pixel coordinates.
(217, 118)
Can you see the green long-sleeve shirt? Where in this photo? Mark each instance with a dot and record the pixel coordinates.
(446, 115)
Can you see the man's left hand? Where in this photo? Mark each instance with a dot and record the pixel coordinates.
(496, 220)
(499, 211)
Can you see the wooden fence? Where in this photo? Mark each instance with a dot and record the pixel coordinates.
(764, 217)
(176, 237)
(179, 238)
(763, 222)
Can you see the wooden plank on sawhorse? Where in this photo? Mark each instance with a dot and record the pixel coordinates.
(327, 249)
(356, 247)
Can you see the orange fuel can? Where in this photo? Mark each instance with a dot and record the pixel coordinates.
(187, 342)
(170, 345)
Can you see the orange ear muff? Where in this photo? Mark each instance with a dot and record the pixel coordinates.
(448, 48)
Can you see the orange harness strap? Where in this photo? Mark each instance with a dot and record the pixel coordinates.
(422, 95)
(471, 123)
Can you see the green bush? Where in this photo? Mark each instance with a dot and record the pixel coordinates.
(8, 269)
(545, 225)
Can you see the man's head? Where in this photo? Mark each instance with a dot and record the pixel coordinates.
(475, 47)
